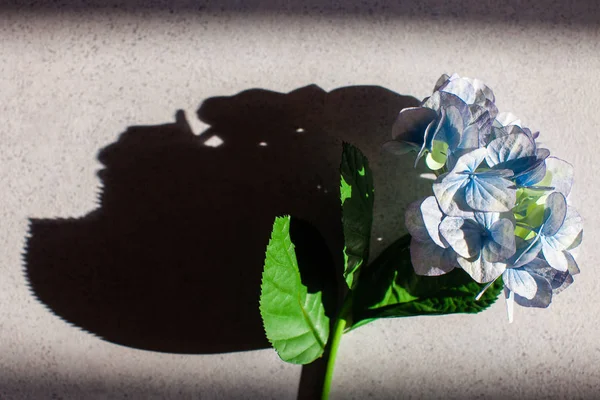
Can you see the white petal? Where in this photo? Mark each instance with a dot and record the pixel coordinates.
(555, 258)
(414, 222)
(481, 271)
(463, 235)
(441, 82)
(462, 89)
(521, 282)
(506, 119)
(429, 259)
(570, 233)
(490, 193)
(470, 161)
(502, 244)
(410, 121)
(559, 174)
(446, 189)
(509, 147)
(432, 217)
(526, 252)
(554, 214)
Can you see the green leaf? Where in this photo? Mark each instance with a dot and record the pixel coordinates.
(357, 196)
(390, 288)
(294, 319)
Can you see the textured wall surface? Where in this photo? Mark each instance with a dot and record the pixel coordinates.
(137, 254)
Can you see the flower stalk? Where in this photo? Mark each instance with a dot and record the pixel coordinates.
(343, 320)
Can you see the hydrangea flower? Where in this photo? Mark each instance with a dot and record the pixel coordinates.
(431, 254)
(484, 243)
(500, 207)
(446, 124)
(562, 231)
(466, 188)
(515, 149)
(530, 281)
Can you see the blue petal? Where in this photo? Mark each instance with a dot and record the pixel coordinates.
(542, 153)
(429, 259)
(532, 175)
(454, 156)
(486, 220)
(450, 127)
(573, 267)
(461, 88)
(449, 192)
(432, 217)
(441, 100)
(526, 252)
(422, 219)
(502, 244)
(428, 140)
(559, 174)
(488, 192)
(570, 234)
(463, 235)
(469, 139)
(556, 258)
(441, 82)
(543, 295)
(521, 282)
(506, 119)
(411, 123)
(554, 214)
(510, 148)
(561, 281)
(481, 270)
(470, 161)
(557, 279)
(413, 220)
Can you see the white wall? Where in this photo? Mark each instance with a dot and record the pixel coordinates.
(72, 78)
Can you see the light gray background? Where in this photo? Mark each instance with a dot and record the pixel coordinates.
(61, 67)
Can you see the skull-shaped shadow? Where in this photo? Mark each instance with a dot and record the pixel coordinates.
(171, 259)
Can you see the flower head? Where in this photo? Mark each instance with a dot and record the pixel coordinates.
(500, 207)
(447, 123)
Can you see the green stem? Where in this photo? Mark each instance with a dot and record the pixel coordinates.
(338, 331)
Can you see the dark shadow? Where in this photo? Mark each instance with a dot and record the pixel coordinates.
(558, 13)
(171, 259)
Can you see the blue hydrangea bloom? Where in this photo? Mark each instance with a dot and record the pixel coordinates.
(459, 111)
(530, 281)
(562, 231)
(500, 201)
(517, 151)
(464, 189)
(484, 243)
(430, 253)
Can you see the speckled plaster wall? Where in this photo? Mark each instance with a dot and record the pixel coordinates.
(80, 246)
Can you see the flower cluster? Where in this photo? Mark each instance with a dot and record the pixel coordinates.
(499, 207)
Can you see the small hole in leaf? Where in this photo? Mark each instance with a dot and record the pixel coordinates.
(214, 141)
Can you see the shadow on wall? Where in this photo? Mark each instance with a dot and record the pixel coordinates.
(171, 260)
(569, 13)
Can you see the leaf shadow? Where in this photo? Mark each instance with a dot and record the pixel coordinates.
(171, 259)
